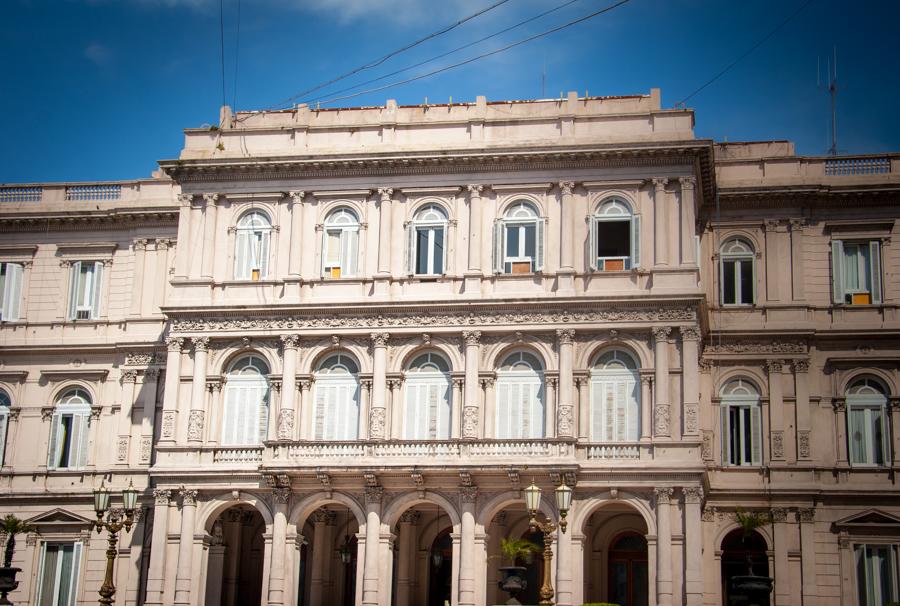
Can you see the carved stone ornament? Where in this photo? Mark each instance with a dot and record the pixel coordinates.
(693, 494)
(706, 447)
(195, 425)
(161, 496)
(566, 336)
(659, 183)
(774, 366)
(475, 190)
(757, 347)
(376, 423)
(129, 376)
(296, 196)
(472, 337)
(174, 343)
(803, 447)
(662, 419)
(661, 334)
(470, 422)
(663, 495)
(380, 339)
(801, 366)
(146, 448)
(281, 494)
(385, 193)
(565, 421)
(122, 449)
(690, 333)
(374, 494)
(566, 187)
(839, 404)
(285, 423)
(168, 424)
(139, 358)
(709, 514)
(807, 515)
(691, 418)
(448, 319)
(778, 444)
(468, 494)
(200, 343)
(706, 365)
(188, 496)
(319, 516)
(211, 198)
(410, 516)
(779, 515)
(290, 341)
(687, 182)
(185, 199)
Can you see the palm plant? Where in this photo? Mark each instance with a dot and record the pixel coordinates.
(750, 521)
(11, 526)
(513, 549)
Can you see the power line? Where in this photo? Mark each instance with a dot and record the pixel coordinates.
(482, 56)
(381, 60)
(750, 50)
(442, 55)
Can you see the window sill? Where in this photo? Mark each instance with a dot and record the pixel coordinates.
(532, 274)
(263, 282)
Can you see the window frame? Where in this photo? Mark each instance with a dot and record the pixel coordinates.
(842, 294)
(615, 209)
(534, 377)
(245, 248)
(432, 226)
(348, 233)
(74, 581)
(602, 378)
(76, 441)
(78, 310)
(862, 585)
(863, 405)
(442, 417)
(738, 259)
(5, 408)
(11, 291)
(238, 383)
(503, 264)
(350, 384)
(749, 407)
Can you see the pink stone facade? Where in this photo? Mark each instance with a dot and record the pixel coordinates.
(331, 347)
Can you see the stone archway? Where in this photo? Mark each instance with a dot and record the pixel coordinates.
(741, 553)
(327, 571)
(236, 558)
(425, 556)
(616, 556)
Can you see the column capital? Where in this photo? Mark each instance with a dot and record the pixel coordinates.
(687, 182)
(839, 404)
(296, 196)
(566, 187)
(188, 496)
(807, 514)
(129, 376)
(566, 336)
(663, 495)
(661, 333)
(174, 344)
(161, 496)
(185, 199)
(774, 366)
(779, 515)
(200, 343)
(210, 199)
(690, 333)
(374, 494)
(659, 183)
(472, 337)
(290, 341)
(380, 339)
(468, 494)
(385, 193)
(693, 494)
(475, 189)
(801, 366)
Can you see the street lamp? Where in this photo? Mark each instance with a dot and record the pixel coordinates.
(533, 503)
(113, 524)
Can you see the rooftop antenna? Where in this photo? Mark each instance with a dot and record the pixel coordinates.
(831, 88)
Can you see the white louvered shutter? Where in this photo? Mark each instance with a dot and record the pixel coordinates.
(242, 255)
(411, 248)
(77, 550)
(351, 423)
(445, 247)
(498, 246)
(80, 444)
(592, 243)
(263, 254)
(541, 228)
(40, 578)
(229, 415)
(4, 423)
(837, 271)
(538, 410)
(874, 269)
(444, 410)
(410, 415)
(96, 281)
(756, 435)
(262, 416)
(503, 409)
(325, 273)
(351, 252)
(635, 241)
(12, 292)
(319, 412)
(53, 450)
(858, 451)
(597, 395)
(432, 402)
(633, 409)
(74, 277)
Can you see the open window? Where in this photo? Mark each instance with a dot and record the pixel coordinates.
(69, 428)
(741, 424)
(737, 273)
(84, 290)
(856, 272)
(615, 234)
(340, 244)
(251, 255)
(867, 417)
(519, 240)
(426, 242)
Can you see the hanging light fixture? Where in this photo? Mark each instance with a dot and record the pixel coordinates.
(346, 550)
(437, 556)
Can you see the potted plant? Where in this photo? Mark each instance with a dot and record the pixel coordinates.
(10, 526)
(750, 589)
(513, 580)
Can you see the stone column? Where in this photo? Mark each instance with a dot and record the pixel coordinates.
(183, 577)
(690, 364)
(214, 426)
(406, 574)
(170, 396)
(567, 243)
(688, 248)
(565, 426)
(468, 495)
(776, 410)
(182, 258)
(472, 340)
(489, 410)
(198, 390)
(209, 234)
(693, 545)
(801, 391)
(280, 498)
(564, 569)
(807, 519)
(662, 412)
(373, 535)
(475, 235)
(660, 221)
(288, 414)
(455, 416)
(156, 573)
(798, 263)
(377, 414)
(123, 443)
(365, 392)
(231, 571)
(385, 226)
(782, 573)
(296, 207)
(140, 247)
(646, 408)
(550, 406)
(840, 421)
(582, 384)
(663, 547)
(396, 416)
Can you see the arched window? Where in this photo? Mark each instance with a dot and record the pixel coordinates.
(737, 273)
(340, 244)
(868, 423)
(245, 417)
(615, 237)
(741, 424)
(520, 397)
(251, 253)
(5, 403)
(337, 399)
(519, 240)
(426, 239)
(10, 291)
(428, 404)
(69, 430)
(615, 399)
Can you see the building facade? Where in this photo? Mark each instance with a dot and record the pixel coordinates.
(331, 347)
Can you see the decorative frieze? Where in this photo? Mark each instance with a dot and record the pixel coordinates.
(757, 347)
(140, 358)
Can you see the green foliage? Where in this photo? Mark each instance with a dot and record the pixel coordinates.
(513, 549)
(11, 526)
(751, 520)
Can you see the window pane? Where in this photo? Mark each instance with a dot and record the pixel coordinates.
(851, 267)
(66, 554)
(530, 240)
(746, 281)
(735, 435)
(82, 296)
(877, 448)
(439, 251)
(333, 249)
(613, 238)
(65, 445)
(747, 437)
(512, 240)
(858, 450)
(422, 251)
(728, 285)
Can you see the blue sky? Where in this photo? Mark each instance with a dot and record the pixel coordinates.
(101, 89)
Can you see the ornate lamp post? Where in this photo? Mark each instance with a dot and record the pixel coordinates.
(113, 524)
(533, 503)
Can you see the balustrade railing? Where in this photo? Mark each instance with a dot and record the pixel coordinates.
(94, 192)
(839, 167)
(238, 455)
(21, 193)
(481, 449)
(613, 451)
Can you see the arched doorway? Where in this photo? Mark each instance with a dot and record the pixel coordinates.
(327, 572)
(615, 556)
(534, 564)
(423, 567)
(512, 523)
(440, 575)
(235, 558)
(740, 555)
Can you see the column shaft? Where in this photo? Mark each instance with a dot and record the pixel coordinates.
(287, 416)
(646, 408)
(660, 223)
(373, 531)
(693, 546)
(566, 241)
(690, 336)
(663, 547)
(182, 253)
(377, 412)
(296, 206)
(183, 577)
(156, 573)
(279, 544)
(776, 411)
(467, 550)
(209, 235)
(662, 411)
(472, 340)
(565, 411)
(384, 230)
(475, 235)
(688, 248)
(198, 390)
(172, 385)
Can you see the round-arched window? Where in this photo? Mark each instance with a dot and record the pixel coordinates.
(340, 244)
(867, 421)
(737, 272)
(336, 403)
(5, 404)
(519, 240)
(741, 424)
(428, 398)
(426, 242)
(69, 430)
(245, 417)
(615, 398)
(520, 397)
(614, 236)
(252, 244)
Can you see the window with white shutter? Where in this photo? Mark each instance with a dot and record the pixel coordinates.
(856, 272)
(84, 290)
(519, 240)
(5, 404)
(336, 399)
(70, 431)
(867, 421)
(427, 242)
(251, 247)
(520, 397)
(59, 570)
(614, 238)
(340, 244)
(741, 424)
(10, 291)
(427, 387)
(877, 580)
(246, 403)
(737, 273)
(615, 398)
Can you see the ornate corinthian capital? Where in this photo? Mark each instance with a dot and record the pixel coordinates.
(566, 336)
(380, 339)
(472, 337)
